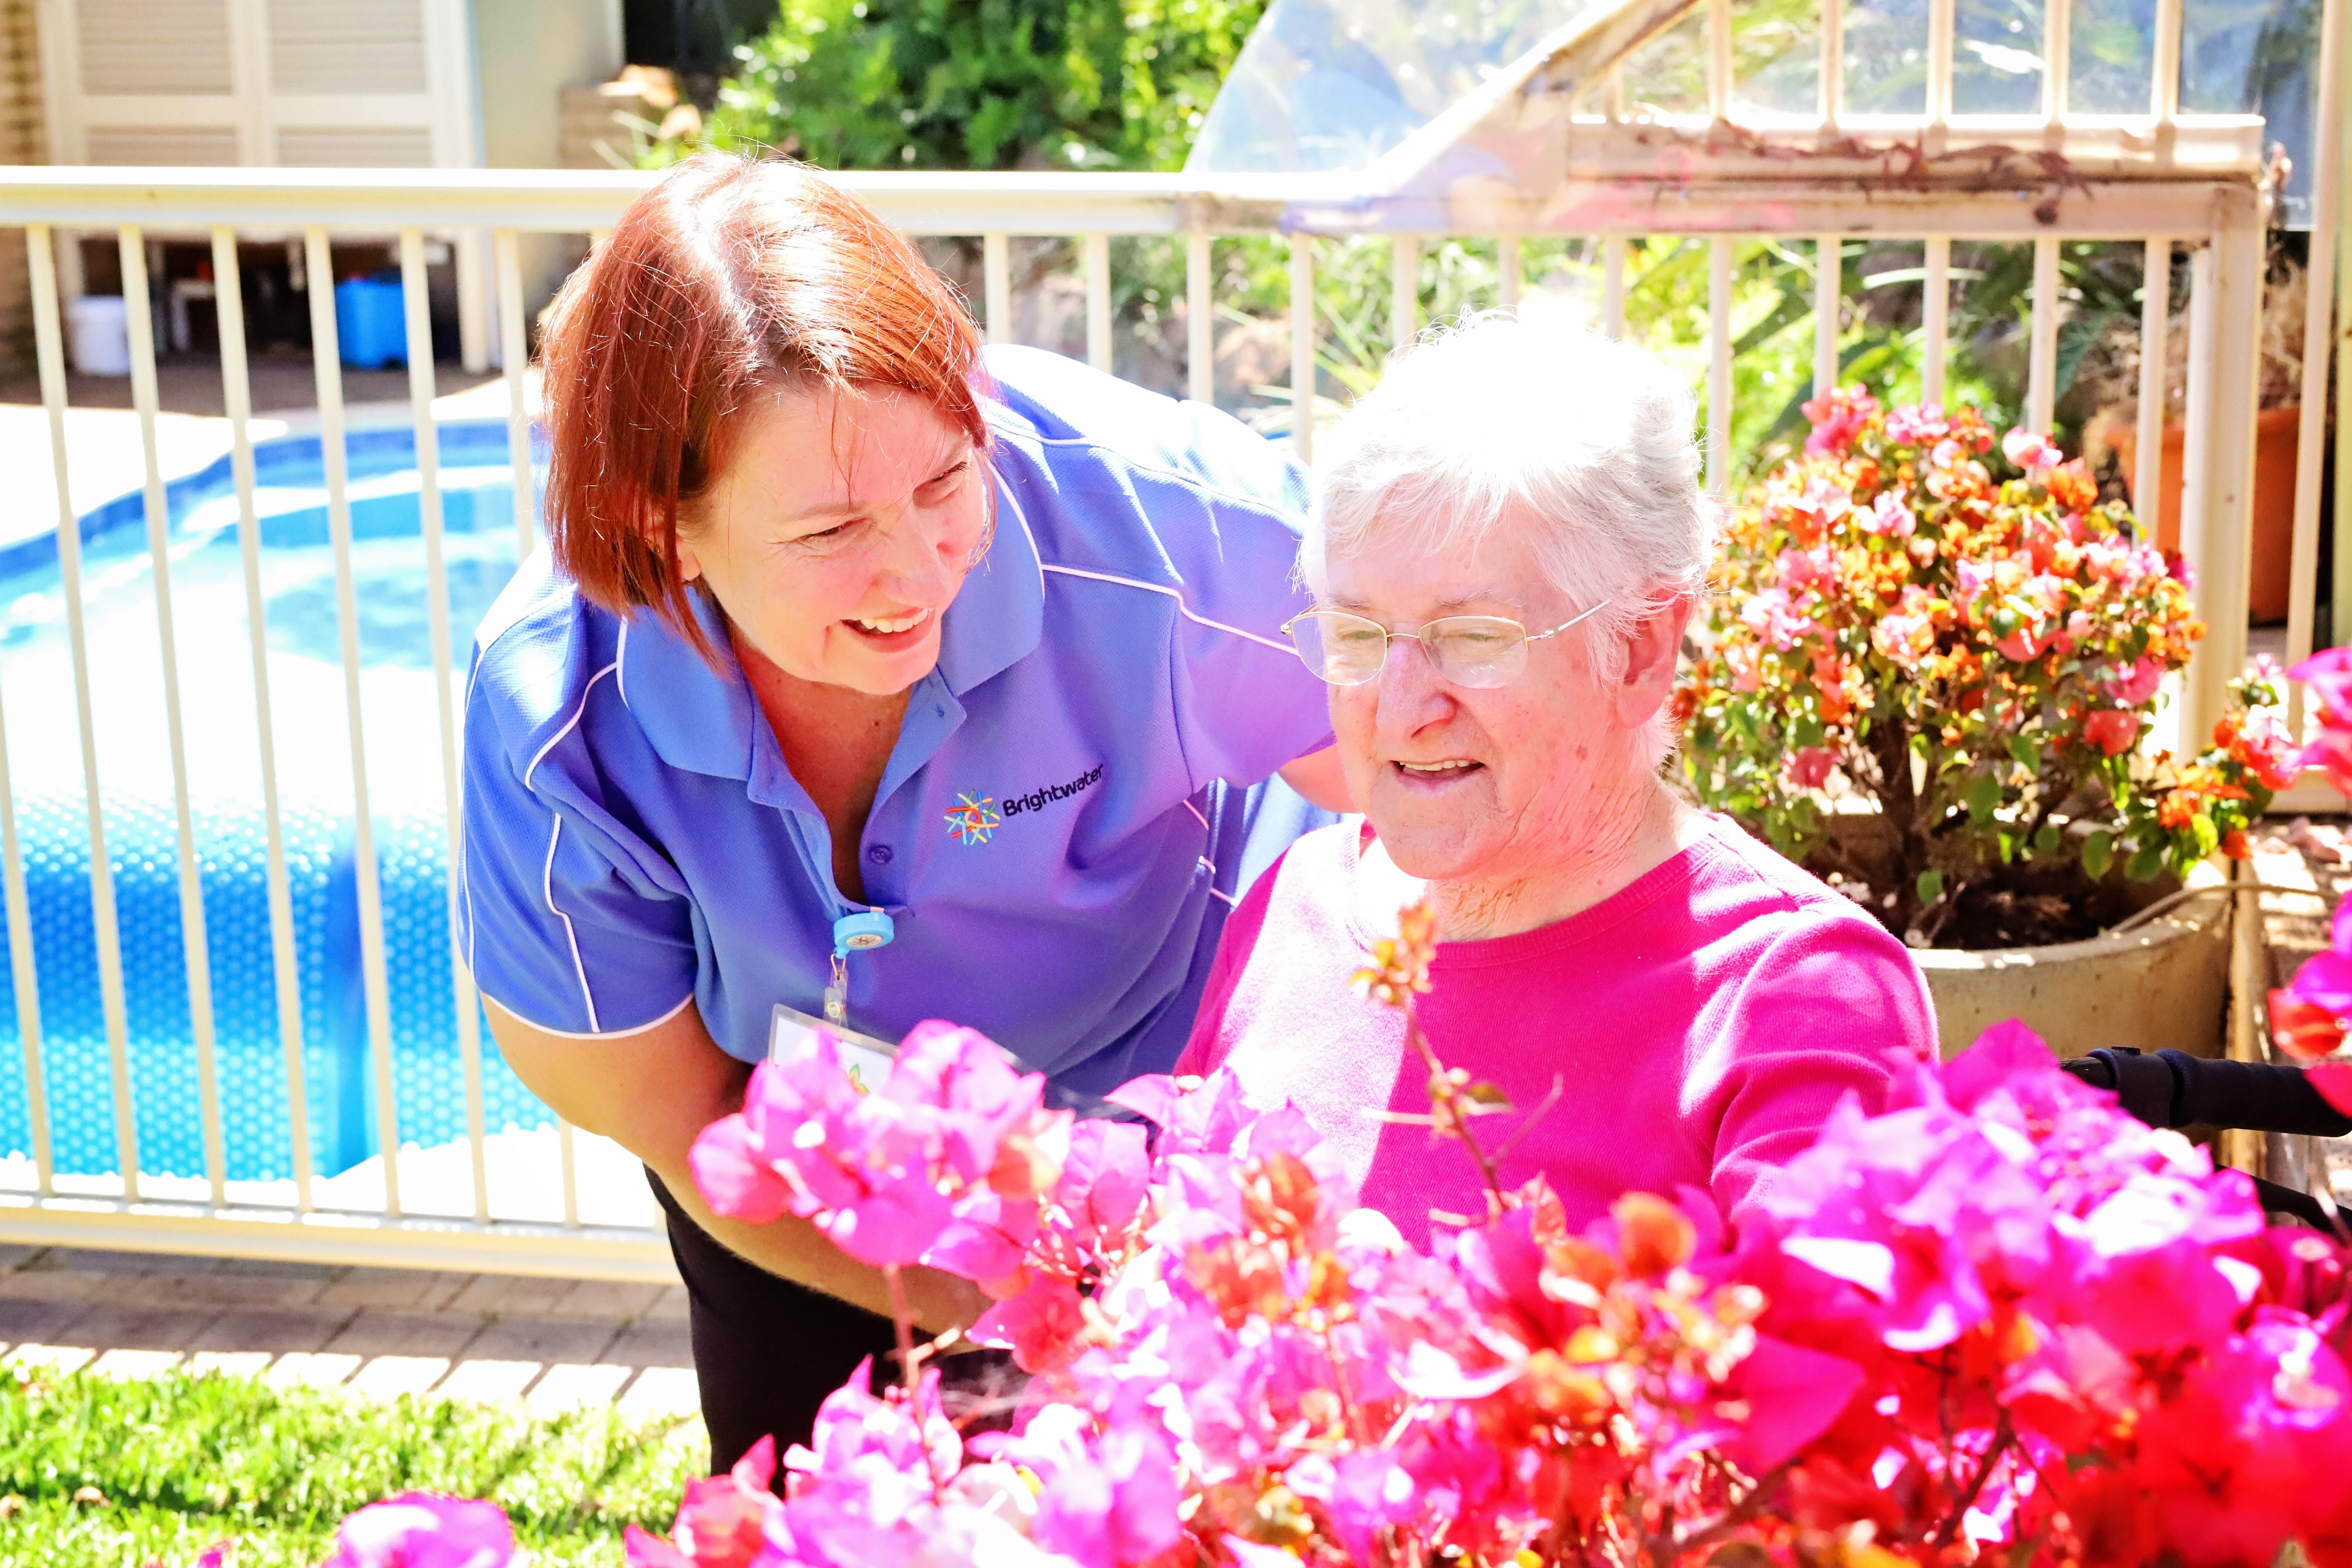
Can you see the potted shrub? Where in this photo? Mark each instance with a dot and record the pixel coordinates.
(1928, 677)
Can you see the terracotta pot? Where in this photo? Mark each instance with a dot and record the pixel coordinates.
(2274, 450)
(2158, 985)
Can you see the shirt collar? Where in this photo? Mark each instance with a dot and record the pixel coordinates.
(699, 718)
(999, 615)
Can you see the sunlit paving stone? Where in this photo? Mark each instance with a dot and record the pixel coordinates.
(489, 1382)
(136, 1363)
(230, 1364)
(569, 1386)
(312, 1369)
(50, 1358)
(388, 1377)
(660, 1391)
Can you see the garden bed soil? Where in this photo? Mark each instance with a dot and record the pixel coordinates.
(2025, 906)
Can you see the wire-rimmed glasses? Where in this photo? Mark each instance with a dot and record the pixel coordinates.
(1479, 651)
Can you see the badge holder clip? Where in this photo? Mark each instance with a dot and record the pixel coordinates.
(860, 932)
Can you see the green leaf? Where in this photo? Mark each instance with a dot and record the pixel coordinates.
(1488, 1094)
(2026, 753)
(1931, 886)
(2146, 861)
(2006, 845)
(1984, 799)
(2206, 835)
(2098, 853)
(2046, 839)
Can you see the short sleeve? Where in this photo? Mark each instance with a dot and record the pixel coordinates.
(561, 928)
(1836, 1006)
(1246, 706)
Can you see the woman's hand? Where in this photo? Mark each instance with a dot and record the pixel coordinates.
(652, 1091)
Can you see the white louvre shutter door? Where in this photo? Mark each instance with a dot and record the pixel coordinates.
(370, 47)
(134, 47)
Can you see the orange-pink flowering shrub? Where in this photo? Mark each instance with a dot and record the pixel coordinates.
(1978, 656)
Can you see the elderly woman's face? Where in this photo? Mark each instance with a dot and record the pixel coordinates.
(839, 532)
(1464, 783)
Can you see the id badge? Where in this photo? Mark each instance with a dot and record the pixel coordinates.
(864, 1057)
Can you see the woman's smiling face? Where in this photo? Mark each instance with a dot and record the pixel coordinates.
(1466, 784)
(839, 532)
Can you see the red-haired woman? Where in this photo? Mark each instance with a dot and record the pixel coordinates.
(842, 633)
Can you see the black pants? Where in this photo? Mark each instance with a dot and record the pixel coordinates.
(767, 1352)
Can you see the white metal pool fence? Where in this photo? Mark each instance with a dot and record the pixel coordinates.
(2160, 179)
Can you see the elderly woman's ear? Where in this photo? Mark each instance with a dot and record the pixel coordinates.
(1652, 651)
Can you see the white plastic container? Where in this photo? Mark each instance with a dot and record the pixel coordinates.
(99, 328)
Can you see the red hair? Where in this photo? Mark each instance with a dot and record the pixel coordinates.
(725, 276)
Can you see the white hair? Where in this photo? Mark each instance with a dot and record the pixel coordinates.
(1493, 420)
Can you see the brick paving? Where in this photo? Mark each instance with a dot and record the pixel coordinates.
(380, 1333)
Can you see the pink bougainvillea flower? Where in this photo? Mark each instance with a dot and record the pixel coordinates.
(2304, 1029)
(2031, 450)
(1838, 418)
(722, 1522)
(1918, 424)
(2113, 731)
(1363, 1492)
(1107, 1499)
(1040, 1326)
(2333, 1081)
(419, 1529)
(1810, 767)
(2134, 684)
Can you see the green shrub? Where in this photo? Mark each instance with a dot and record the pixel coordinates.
(981, 84)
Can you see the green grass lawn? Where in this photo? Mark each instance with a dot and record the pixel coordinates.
(182, 1461)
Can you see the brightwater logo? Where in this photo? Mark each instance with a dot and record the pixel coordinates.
(1038, 799)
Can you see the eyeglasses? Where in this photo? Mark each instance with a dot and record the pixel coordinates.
(1468, 650)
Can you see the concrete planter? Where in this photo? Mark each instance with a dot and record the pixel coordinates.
(2162, 984)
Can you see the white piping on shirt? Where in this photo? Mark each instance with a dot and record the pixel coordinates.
(611, 1034)
(547, 885)
(1230, 900)
(1183, 608)
(547, 875)
(1196, 811)
(621, 652)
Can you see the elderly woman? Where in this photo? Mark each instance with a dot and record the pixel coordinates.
(1507, 547)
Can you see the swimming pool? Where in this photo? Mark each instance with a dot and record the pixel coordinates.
(399, 710)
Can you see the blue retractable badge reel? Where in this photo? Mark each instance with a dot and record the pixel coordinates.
(860, 932)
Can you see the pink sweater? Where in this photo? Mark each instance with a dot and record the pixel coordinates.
(1701, 1023)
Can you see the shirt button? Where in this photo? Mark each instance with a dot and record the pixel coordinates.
(879, 854)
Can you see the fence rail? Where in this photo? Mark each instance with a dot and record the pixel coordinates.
(2160, 180)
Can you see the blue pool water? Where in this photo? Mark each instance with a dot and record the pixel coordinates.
(399, 706)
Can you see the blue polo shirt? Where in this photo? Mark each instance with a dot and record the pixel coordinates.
(1060, 831)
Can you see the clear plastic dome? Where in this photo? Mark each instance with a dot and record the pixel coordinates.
(1327, 85)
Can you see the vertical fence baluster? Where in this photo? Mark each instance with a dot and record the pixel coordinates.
(567, 1162)
(140, 322)
(1302, 347)
(2318, 331)
(1718, 377)
(1934, 319)
(1831, 88)
(1404, 289)
(1718, 58)
(1941, 27)
(236, 398)
(514, 351)
(1200, 320)
(1097, 248)
(1506, 271)
(996, 286)
(1829, 306)
(418, 320)
(2155, 332)
(25, 974)
(2057, 48)
(1612, 285)
(48, 340)
(2041, 359)
(2225, 303)
(327, 367)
